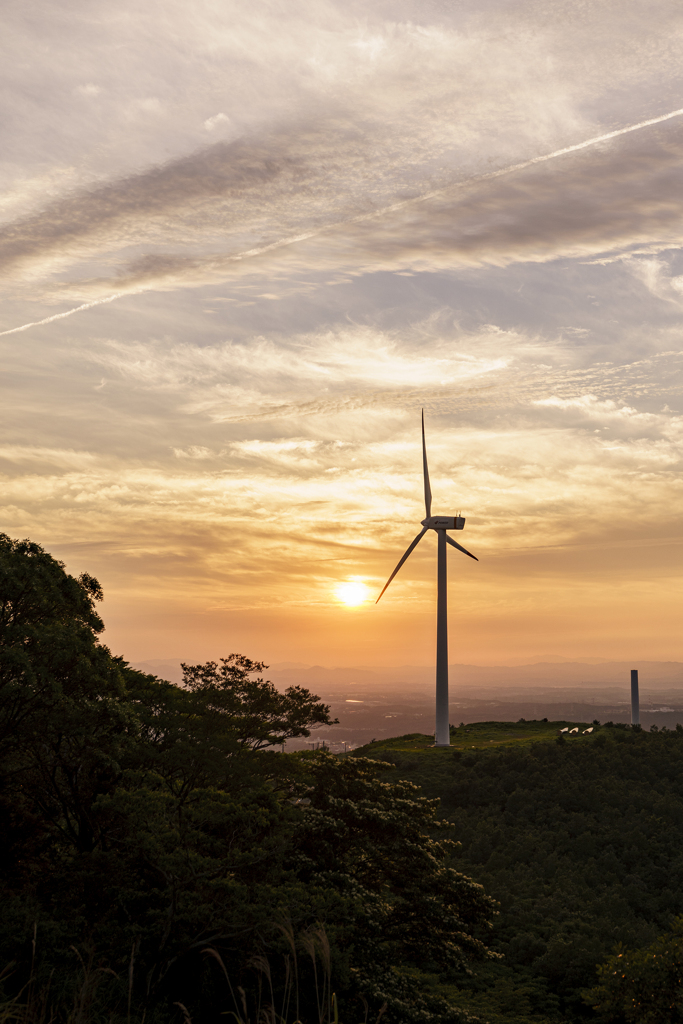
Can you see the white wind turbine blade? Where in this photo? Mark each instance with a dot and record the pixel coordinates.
(411, 548)
(455, 544)
(425, 470)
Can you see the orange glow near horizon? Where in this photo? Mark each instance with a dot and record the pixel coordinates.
(315, 227)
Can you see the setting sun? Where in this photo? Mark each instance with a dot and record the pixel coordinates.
(352, 593)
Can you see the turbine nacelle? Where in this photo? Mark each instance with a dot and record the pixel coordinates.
(443, 523)
(438, 523)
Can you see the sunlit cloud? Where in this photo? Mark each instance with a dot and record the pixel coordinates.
(393, 136)
(239, 263)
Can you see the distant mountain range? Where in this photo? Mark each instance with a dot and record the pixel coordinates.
(588, 674)
(381, 702)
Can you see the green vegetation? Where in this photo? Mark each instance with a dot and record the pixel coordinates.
(162, 861)
(644, 985)
(580, 839)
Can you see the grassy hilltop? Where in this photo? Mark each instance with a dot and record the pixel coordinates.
(580, 839)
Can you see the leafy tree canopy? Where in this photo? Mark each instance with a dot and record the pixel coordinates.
(643, 986)
(36, 591)
(145, 823)
(580, 843)
(49, 649)
(253, 709)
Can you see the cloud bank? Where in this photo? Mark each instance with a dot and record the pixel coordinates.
(316, 221)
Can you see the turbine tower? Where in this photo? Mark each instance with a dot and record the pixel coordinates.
(442, 734)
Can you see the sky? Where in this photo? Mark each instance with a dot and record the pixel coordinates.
(242, 246)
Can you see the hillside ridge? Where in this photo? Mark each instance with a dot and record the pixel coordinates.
(579, 839)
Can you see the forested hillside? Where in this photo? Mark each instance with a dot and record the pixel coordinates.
(163, 861)
(580, 840)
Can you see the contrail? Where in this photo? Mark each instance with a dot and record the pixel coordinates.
(293, 239)
(475, 179)
(525, 163)
(60, 316)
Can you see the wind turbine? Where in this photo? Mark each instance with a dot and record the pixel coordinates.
(442, 734)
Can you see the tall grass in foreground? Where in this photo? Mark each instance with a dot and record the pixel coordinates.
(317, 946)
(37, 1006)
(33, 1005)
